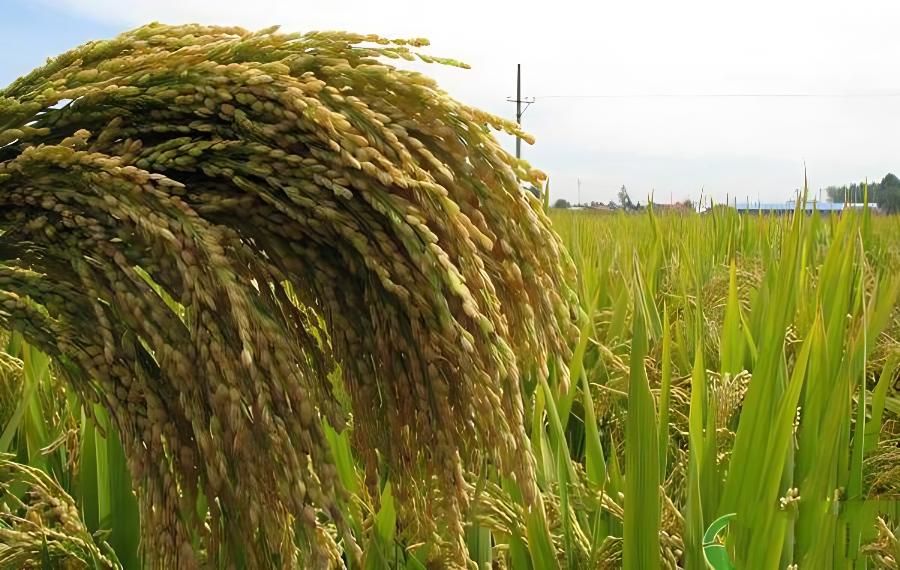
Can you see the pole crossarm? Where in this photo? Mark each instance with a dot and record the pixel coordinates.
(519, 109)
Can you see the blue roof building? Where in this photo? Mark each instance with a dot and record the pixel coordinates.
(789, 206)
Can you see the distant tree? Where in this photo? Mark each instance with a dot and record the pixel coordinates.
(687, 204)
(612, 205)
(625, 199)
(889, 194)
(853, 193)
(562, 203)
(837, 194)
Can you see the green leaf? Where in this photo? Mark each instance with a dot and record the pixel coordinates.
(879, 398)
(595, 463)
(641, 537)
(665, 391)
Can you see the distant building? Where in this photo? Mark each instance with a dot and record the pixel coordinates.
(600, 207)
(790, 206)
(678, 207)
(593, 207)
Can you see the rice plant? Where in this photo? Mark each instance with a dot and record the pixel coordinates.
(774, 346)
(274, 303)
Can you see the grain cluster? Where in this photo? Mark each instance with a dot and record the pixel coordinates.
(233, 240)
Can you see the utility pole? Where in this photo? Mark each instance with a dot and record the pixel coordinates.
(579, 192)
(519, 110)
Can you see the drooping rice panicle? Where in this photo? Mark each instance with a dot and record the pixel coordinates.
(202, 223)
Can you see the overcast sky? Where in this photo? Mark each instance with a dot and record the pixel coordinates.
(652, 56)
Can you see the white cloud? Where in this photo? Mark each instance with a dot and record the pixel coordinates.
(735, 145)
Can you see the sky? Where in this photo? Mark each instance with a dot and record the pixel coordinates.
(626, 92)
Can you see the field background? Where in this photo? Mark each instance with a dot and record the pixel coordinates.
(726, 364)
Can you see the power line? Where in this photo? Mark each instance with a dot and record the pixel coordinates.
(720, 95)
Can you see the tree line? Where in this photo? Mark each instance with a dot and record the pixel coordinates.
(624, 203)
(885, 194)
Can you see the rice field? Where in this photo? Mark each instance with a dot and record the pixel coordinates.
(758, 338)
(720, 370)
(254, 322)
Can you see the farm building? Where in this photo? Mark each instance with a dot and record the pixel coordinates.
(790, 205)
